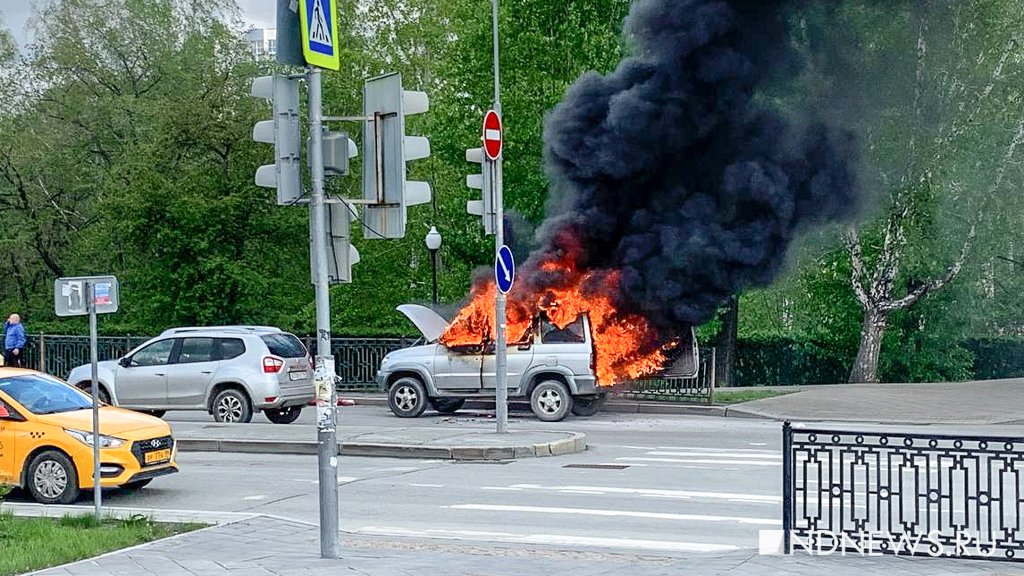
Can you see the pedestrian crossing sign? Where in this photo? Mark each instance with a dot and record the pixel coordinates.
(319, 33)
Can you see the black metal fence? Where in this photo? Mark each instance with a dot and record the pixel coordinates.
(701, 387)
(355, 359)
(905, 494)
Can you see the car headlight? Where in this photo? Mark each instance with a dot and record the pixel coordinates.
(86, 438)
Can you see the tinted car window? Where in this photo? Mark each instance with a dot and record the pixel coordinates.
(230, 348)
(284, 345)
(42, 395)
(196, 350)
(155, 354)
(572, 333)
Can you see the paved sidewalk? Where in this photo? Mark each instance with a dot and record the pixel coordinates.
(263, 546)
(980, 402)
(419, 442)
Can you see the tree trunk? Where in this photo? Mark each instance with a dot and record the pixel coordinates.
(725, 370)
(865, 369)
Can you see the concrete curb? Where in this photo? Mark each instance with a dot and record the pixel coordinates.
(575, 443)
(32, 510)
(616, 406)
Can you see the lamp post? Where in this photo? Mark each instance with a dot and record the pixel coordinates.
(433, 241)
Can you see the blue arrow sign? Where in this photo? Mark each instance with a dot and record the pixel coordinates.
(504, 269)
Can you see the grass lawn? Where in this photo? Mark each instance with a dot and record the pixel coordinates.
(28, 544)
(736, 396)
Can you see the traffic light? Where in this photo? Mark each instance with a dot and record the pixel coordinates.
(387, 149)
(285, 174)
(485, 183)
(337, 149)
(341, 254)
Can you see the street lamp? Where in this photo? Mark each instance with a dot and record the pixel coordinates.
(433, 241)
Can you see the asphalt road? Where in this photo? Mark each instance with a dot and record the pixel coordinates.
(657, 484)
(665, 484)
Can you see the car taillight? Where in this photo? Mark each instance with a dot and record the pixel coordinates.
(272, 365)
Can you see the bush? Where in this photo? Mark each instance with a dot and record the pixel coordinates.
(997, 357)
(788, 361)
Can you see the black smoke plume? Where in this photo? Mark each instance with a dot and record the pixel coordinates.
(677, 172)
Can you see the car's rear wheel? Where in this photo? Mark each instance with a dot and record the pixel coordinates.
(551, 401)
(447, 405)
(285, 415)
(407, 398)
(52, 478)
(137, 485)
(155, 413)
(587, 405)
(232, 406)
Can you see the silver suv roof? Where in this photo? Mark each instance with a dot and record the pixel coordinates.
(223, 330)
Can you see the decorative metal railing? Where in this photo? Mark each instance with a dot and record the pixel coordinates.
(903, 493)
(356, 359)
(700, 387)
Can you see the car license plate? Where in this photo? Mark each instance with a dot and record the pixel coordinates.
(297, 375)
(158, 456)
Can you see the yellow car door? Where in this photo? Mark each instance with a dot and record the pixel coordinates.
(8, 426)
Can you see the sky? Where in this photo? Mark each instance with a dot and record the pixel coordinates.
(259, 13)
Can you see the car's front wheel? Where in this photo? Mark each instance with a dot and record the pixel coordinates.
(232, 406)
(283, 415)
(551, 401)
(102, 393)
(447, 405)
(52, 478)
(407, 398)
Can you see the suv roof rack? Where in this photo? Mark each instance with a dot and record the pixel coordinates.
(233, 329)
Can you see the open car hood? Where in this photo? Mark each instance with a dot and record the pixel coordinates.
(430, 323)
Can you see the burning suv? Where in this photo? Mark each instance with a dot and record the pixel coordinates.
(552, 367)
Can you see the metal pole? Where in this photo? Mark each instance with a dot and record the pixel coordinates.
(97, 492)
(433, 265)
(500, 366)
(326, 435)
(787, 485)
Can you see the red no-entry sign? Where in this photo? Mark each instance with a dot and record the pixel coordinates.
(492, 135)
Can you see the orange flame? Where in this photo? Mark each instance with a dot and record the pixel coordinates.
(625, 345)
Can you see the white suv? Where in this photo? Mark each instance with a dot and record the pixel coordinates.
(230, 371)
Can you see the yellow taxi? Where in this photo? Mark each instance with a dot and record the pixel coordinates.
(46, 440)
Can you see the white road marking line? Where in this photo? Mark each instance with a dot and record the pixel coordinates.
(550, 539)
(757, 443)
(587, 492)
(615, 513)
(344, 479)
(658, 492)
(701, 461)
(257, 497)
(717, 455)
(428, 485)
(502, 488)
(397, 469)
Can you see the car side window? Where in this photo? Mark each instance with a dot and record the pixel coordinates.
(196, 350)
(156, 354)
(230, 348)
(571, 334)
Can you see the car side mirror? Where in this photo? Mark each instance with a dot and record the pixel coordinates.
(525, 345)
(124, 362)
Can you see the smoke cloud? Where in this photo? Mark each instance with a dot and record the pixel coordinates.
(674, 173)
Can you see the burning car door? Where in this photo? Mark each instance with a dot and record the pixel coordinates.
(518, 359)
(453, 368)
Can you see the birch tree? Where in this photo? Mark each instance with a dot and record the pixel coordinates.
(957, 149)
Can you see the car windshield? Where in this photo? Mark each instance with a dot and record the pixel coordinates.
(41, 394)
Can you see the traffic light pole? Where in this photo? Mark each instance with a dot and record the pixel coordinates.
(326, 434)
(500, 360)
